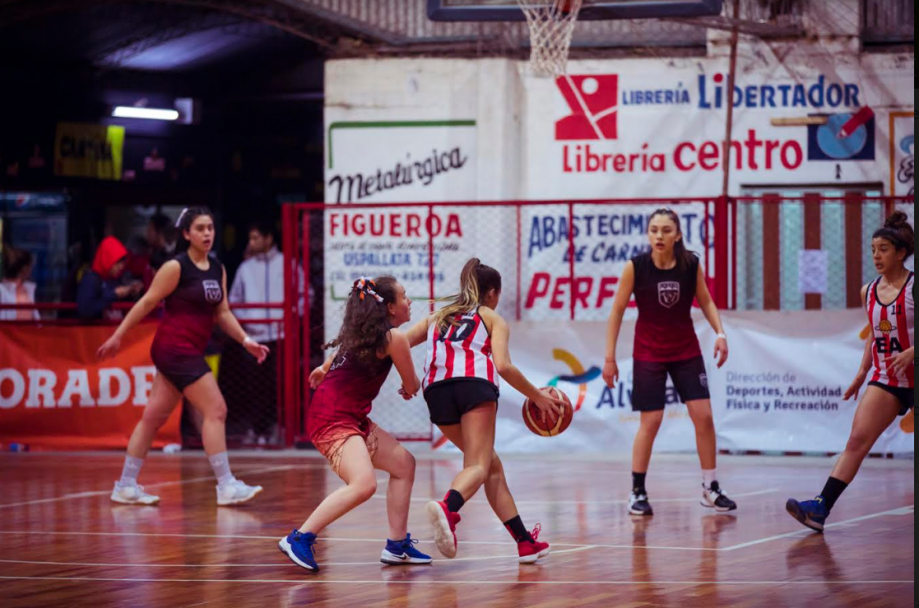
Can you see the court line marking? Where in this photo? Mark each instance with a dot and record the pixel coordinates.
(162, 484)
(600, 502)
(280, 564)
(908, 510)
(419, 581)
(333, 539)
(287, 467)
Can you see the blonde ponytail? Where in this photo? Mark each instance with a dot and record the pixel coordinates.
(476, 280)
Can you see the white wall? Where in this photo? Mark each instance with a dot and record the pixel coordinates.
(517, 154)
(507, 142)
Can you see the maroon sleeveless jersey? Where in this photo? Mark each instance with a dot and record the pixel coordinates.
(348, 390)
(189, 320)
(664, 331)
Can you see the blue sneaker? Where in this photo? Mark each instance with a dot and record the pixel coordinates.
(811, 513)
(299, 548)
(403, 552)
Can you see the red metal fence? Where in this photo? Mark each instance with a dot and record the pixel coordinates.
(559, 260)
(751, 250)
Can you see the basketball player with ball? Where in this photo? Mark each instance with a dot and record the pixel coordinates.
(665, 282)
(467, 349)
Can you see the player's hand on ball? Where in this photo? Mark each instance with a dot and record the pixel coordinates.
(721, 351)
(551, 406)
(317, 377)
(856, 385)
(610, 373)
(901, 363)
(259, 351)
(109, 348)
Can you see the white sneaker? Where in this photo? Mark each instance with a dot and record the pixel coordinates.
(236, 492)
(714, 498)
(639, 504)
(132, 495)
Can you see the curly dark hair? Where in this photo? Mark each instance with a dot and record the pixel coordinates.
(365, 328)
(898, 231)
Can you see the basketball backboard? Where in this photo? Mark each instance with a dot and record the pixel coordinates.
(507, 10)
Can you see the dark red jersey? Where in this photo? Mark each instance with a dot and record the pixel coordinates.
(664, 331)
(189, 320)
(348, 390)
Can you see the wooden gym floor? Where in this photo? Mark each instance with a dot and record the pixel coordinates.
(62, 543)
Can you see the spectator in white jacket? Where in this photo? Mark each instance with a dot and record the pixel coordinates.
(259, 280)
(15, 288)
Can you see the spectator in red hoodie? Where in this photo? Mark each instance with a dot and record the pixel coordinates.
(103, 285)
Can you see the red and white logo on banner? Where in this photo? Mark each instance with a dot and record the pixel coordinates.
(593, 101)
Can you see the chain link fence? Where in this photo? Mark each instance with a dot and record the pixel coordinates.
(561, 260)
(821, 243)
(251, 391)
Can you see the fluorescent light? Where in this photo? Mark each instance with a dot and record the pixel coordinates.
(145, 113)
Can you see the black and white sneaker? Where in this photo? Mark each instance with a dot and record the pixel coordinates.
(638, 503)
(714, 498)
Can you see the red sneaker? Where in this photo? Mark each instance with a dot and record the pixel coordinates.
(530, 551)
(444, 522)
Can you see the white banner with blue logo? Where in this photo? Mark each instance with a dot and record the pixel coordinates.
(780, 391)
(640, 128)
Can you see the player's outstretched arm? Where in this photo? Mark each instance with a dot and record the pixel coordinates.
(614, 324)
(227, 321)
(164, 283)
(865, 366)
(418, 332)
(710, 310)
(500, 351)
(400, 351)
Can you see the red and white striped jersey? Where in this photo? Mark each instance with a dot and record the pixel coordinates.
(893, 332)
(463, 351)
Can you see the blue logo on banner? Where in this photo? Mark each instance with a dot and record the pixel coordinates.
(823, 142)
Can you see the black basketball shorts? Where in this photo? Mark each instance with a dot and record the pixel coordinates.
(649, 382)
(448, 400)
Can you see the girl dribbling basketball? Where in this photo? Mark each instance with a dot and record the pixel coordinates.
(467, 349)
(665, 282)
(889, 302)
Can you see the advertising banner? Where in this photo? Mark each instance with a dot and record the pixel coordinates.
(599, 130)
(95, 151)
(781, 389)
(55, 393)
(399, 161)
(606, 237)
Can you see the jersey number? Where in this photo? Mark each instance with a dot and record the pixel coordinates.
(458, 333)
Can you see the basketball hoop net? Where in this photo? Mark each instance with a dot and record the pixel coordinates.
(551, 24)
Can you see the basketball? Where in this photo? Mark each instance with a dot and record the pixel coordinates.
(533, 416)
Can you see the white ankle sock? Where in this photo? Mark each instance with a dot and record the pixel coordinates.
(220, 463)
(130, 471)
(709, 477)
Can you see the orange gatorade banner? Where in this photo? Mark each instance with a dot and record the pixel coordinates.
(55, 393)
